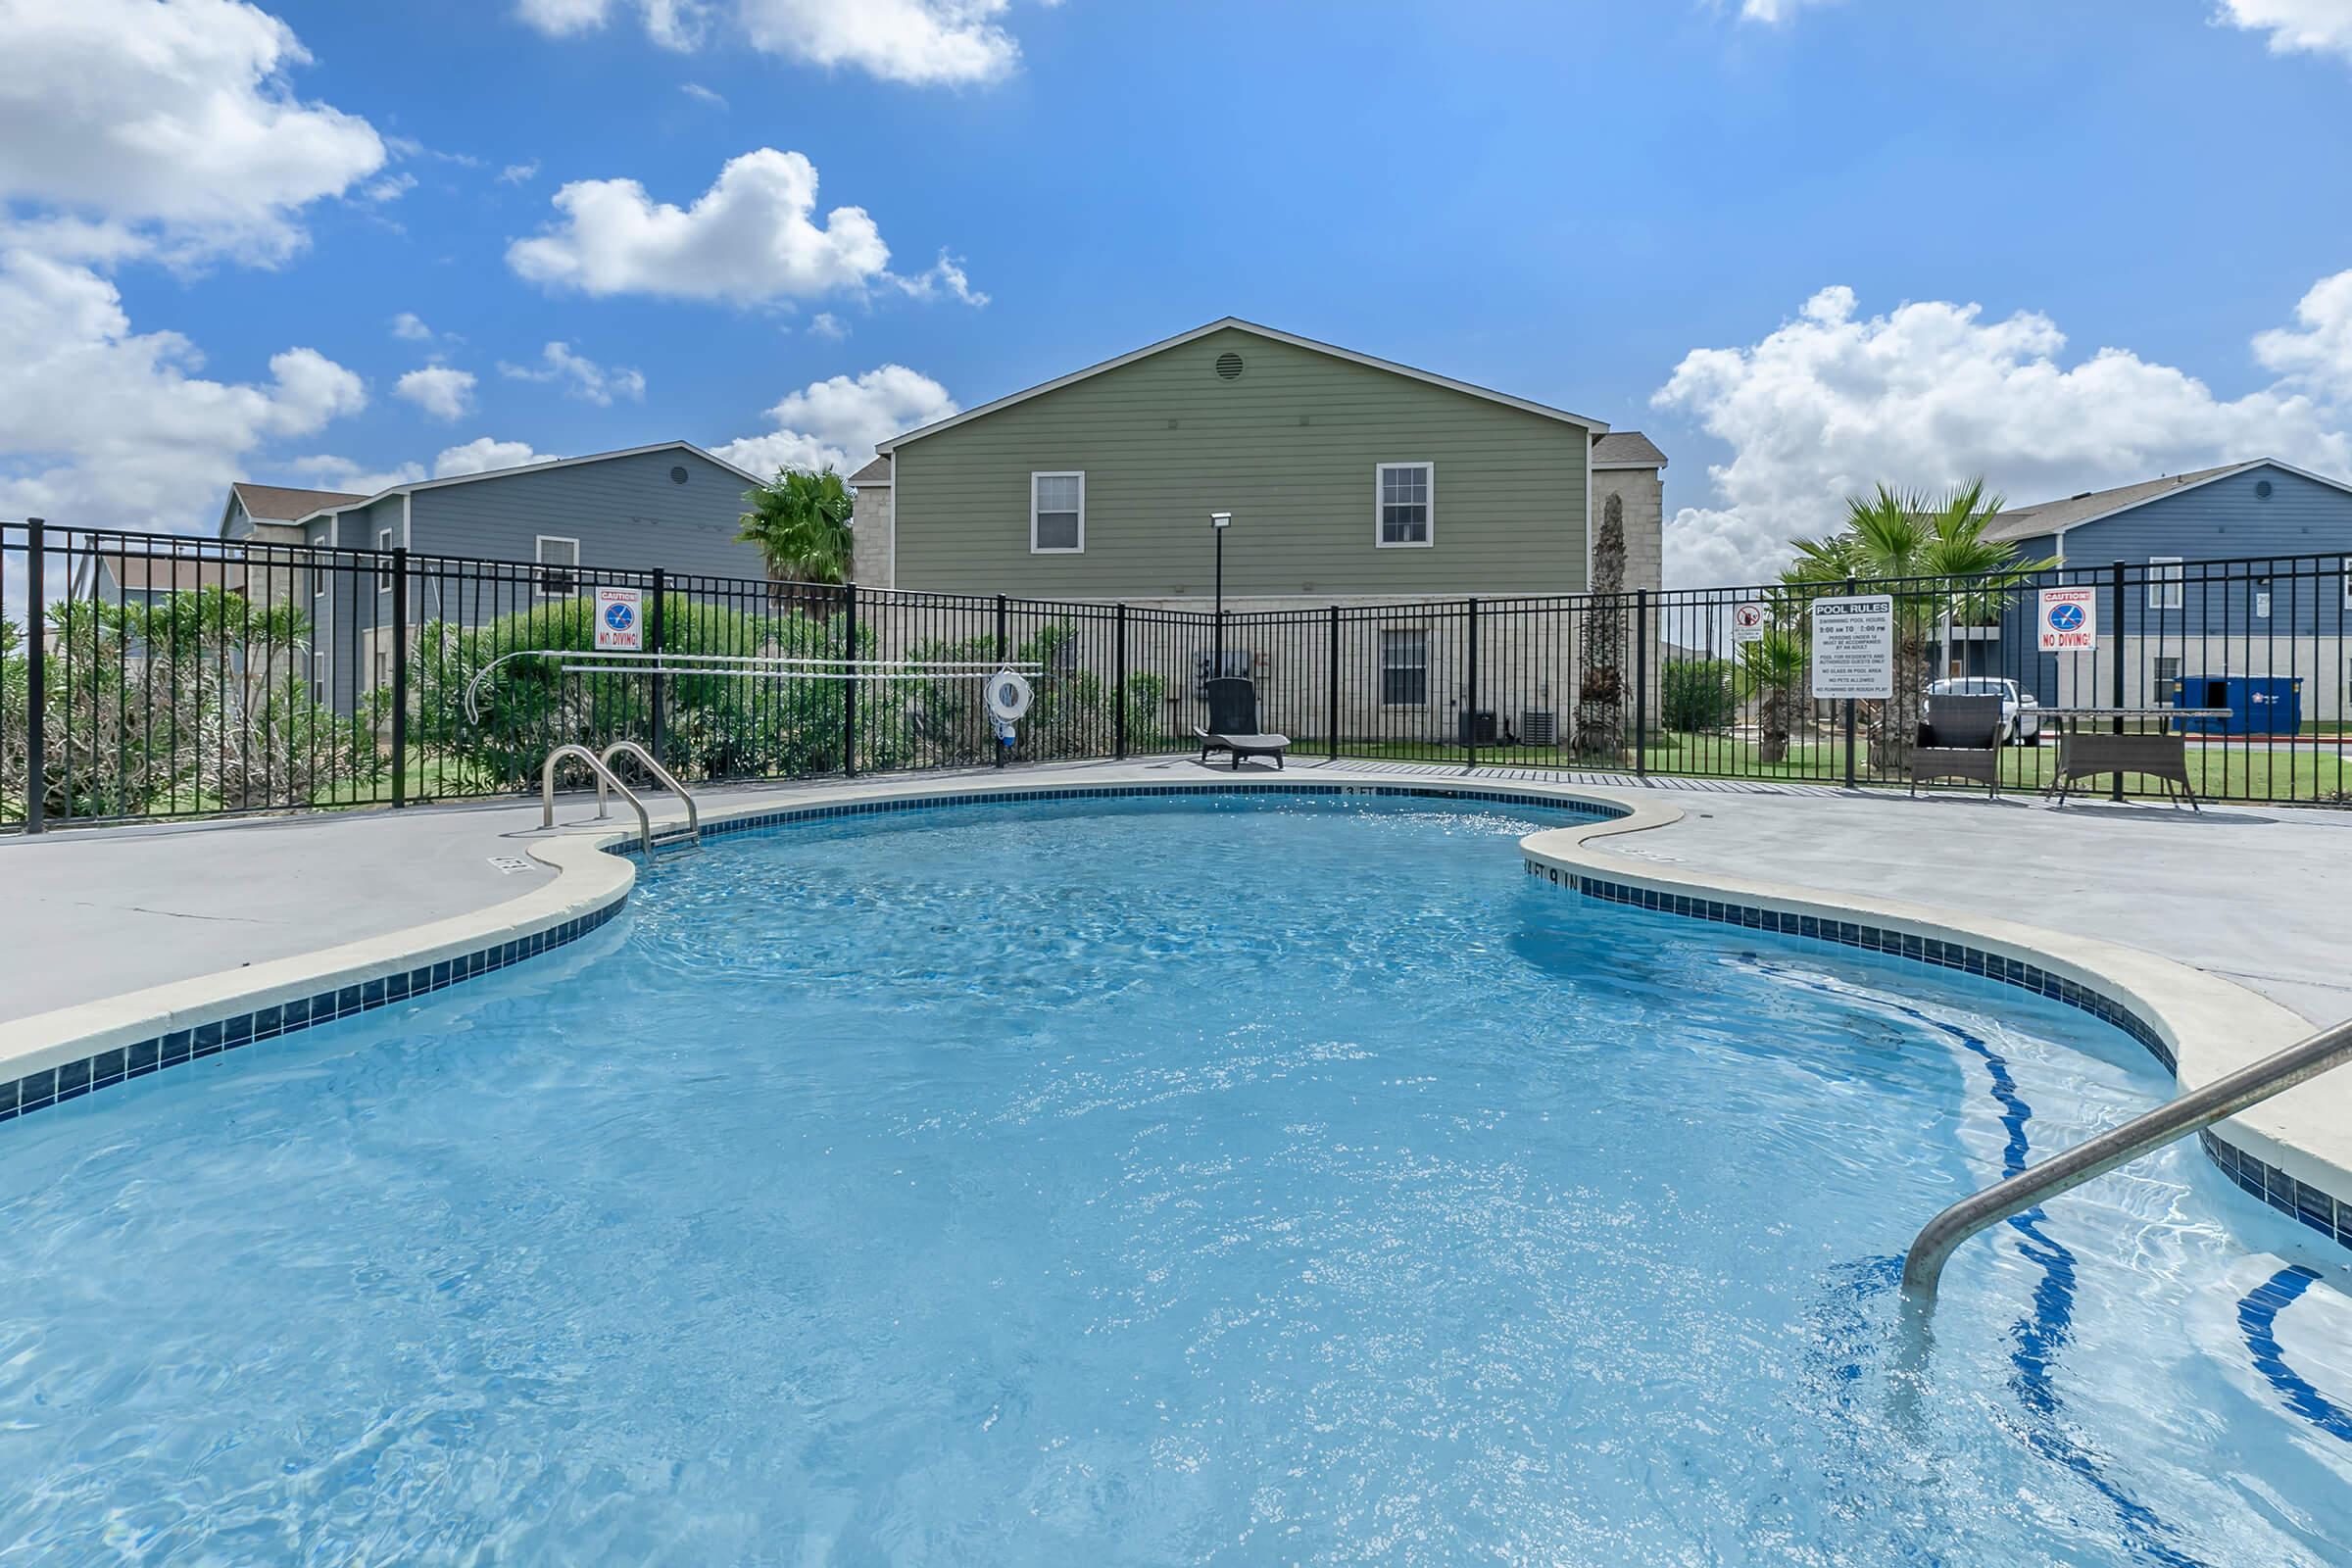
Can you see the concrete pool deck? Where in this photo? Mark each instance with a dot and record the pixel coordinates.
(2254, 895)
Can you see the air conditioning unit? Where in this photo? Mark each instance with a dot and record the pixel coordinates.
(1538, 726)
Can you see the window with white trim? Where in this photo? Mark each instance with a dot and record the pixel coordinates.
(1058, 512)
(383, 565)
(1406, 501)
(559, 567)
(2164, 582)
(2168, 676)
(2345, 566)
(318, 670)
(1404, 666)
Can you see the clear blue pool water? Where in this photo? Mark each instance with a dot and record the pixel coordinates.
(1147, 1182)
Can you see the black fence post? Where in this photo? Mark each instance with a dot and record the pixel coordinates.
(1640, 683)
(400, 677)
(849, 688)
(660, 720)
(1002, 643)
(36, 676)
(1118, 692)
(1470, 686)
(1331, 696)
(1850, 708)
(2115, 682)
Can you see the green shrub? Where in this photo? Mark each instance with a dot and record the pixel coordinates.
(1696, 693)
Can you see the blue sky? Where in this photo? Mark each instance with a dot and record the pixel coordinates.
(1632, 210)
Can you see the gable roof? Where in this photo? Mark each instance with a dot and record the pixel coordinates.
(2057, 516)
(415, 485)
(1627, 448)
(874, 473)
(274, 503)
(1234, 323)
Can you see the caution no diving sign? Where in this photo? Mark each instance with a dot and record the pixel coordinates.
(2069, 620)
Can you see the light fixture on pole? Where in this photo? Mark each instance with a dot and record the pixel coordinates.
(1220, 522)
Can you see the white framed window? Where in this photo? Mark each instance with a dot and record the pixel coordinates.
(2164, 582)
(383, 565)
(2167, 676)
(1058, 514)
(1404, 666)
(319, 670)
(559, 559)
(2345, 566)
(1404, 504)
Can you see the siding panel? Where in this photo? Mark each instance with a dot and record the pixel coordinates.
(1290, 448)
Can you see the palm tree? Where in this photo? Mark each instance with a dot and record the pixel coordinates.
(1772, 675)
(801, 522)
(1890, 536)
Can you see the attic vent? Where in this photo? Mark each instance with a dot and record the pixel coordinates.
(2085, 496)
(678, 476)
(2262, 488)
(1229, 367)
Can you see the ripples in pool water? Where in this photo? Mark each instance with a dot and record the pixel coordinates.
(1148, 1182)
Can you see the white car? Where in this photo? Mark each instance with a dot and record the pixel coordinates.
(2020, 712)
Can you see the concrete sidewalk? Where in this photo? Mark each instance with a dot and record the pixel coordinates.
(2260, 896)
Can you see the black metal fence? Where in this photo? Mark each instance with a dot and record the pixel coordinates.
(151, 676)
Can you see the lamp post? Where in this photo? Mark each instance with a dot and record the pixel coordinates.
(1219, 521)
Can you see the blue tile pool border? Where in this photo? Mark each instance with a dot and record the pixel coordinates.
(118, 1065)
(2314, 1207)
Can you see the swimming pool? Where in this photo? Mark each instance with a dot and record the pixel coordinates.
(1246, 1180)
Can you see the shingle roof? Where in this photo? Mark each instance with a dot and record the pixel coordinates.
(874, 473)
(2055, 516)
(156, 573)
(271, 503)
(1627, 448)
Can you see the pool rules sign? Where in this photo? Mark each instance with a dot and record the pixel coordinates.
(1854, 647)
(620, 620)
(2069, 620)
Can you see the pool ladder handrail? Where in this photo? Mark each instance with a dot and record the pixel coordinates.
(2199, 1108)
(606, 780)
(661, 775)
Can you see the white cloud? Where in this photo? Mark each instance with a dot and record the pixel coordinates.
(2295, 26)
(924, 42)
(1772, 11)
(482, 453)
(410, 327)
(824, 323)
(579, 377)
(946, 276)
(1931, 393)
(324, 472)
(440, 390)
(174, 115)
(672, 23)
(517, 174)
(750, 238)
(702, 94)
(102, 426)
(387, 188)
(2316, 352)
(836, 423)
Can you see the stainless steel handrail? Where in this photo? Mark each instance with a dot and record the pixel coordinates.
(603, 776)
(645, 758)
(2227, 1096)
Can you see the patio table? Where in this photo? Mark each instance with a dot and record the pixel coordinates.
(2160, 754)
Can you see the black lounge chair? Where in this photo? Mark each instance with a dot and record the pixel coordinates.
(1233, 723)
(1959, 737)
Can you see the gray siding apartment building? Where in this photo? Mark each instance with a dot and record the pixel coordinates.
(671, 506)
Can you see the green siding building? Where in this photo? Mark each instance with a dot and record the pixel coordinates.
(1349, 478)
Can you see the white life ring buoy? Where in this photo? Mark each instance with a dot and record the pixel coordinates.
(1009, 696)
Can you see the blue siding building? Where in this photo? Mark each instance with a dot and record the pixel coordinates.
(2278, 603)
(671, 505)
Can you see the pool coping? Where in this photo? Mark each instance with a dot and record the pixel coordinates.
(2287, 1152)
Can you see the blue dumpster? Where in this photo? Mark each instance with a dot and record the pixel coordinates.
(2258, 705)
